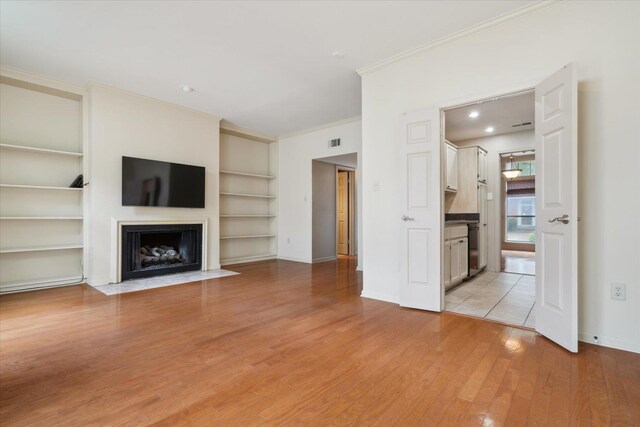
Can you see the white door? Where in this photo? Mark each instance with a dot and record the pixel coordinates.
(447, 265)
(557, 208)
(420, 215)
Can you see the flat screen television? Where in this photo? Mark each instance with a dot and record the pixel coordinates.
(154, 183)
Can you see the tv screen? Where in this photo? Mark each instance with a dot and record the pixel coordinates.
(154, 183)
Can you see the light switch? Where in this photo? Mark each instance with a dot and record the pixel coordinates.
(489, 196)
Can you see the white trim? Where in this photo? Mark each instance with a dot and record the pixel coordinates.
(37, 79)
(359, 268)
(229, 128)
(325, 259)
(293, 259)
(610, 342)
(321, 127)
(92, 83)
(380, 297)
(501, 19)
(246, 259)
(116, 245)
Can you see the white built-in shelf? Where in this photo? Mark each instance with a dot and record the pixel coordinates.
(25, 285)
(251, 175)
(39, 187)
(47, 218)
(251, 258)
(247, 216)
(40, 249)
(260, 196)
(40, 150)
(250, 236)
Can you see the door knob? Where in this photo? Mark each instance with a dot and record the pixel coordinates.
(563, 219)
(407, 218)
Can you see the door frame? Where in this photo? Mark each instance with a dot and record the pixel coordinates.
(464, 102)
(351, 214)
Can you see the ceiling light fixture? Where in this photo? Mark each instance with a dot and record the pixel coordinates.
(489, 129)
(474, 114)
(186, 88)
(511, 170)
(338, 55)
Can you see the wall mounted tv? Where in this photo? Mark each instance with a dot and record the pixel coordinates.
(155, 183)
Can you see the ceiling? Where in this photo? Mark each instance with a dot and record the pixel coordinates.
(350, 160)
(505, 115)
(262, 65)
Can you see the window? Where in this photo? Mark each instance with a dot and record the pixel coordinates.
(528, 167)
(521, 219)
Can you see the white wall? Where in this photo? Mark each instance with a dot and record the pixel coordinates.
(494, 146)
(602, 39)
(125, 124)
(295, 155)
(323, 208)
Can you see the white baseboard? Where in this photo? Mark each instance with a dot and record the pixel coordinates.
(609, 342)
(359, 268)
(380, 297)
(328, 258)
(285, 258)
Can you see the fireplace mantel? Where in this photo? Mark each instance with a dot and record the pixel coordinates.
(116, 244)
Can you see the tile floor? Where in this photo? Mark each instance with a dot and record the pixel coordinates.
(519, 262)
(505, 297)
(161, 281)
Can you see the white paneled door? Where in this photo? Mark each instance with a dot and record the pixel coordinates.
(420, 216)
(557, 208)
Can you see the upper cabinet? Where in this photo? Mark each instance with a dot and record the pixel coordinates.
(472, 171)
(452, 168)
(482, 165)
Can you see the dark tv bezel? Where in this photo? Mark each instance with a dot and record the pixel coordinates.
(122, 184)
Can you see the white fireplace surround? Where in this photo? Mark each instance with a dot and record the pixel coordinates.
(116, 244)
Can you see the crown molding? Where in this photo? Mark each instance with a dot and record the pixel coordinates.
(321, 127)
(40, 83)
(229, 128)
(493, 22)
(91, 84)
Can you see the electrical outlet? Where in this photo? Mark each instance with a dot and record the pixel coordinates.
(619, 291)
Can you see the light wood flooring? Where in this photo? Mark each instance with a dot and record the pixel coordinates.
(290, 344)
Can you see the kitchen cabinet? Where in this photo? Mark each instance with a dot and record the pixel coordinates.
(482, 165)
(483, 244)
(451, 168)
(456, 255)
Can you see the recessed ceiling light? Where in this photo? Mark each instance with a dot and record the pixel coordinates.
(489, 129)
(337, 54)
(186, 88)
(474, 114)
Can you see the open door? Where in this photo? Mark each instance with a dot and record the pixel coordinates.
(420, 215)
(343, 213)
(556, 113)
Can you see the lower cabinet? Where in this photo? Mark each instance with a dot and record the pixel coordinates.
(456, 256)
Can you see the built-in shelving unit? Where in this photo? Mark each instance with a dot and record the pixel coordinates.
(41, 217)
(247, 198)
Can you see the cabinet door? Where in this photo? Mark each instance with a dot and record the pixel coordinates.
(452, 168)
(447, 265)
(482, 166)
(463, 257)
(455, 262)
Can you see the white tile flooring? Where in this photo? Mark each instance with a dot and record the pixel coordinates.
(162, 281)
(505, 297)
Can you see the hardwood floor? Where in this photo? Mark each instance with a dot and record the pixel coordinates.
(290, 344)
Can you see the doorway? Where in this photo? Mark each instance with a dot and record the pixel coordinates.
(335, 199)
(518, 213)
(486, 213)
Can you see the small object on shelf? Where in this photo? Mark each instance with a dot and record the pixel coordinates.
(78, 182)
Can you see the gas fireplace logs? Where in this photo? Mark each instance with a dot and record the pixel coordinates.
(159, 255)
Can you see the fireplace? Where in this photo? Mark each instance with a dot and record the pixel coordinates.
(157, 249)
